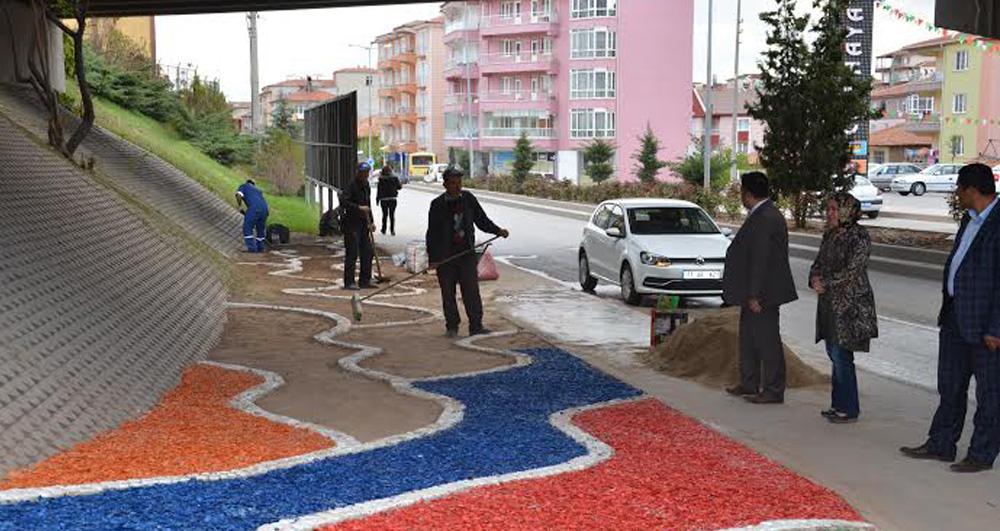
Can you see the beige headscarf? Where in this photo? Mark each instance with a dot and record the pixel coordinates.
(848, 209)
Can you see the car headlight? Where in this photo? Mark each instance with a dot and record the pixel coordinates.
(654, 260)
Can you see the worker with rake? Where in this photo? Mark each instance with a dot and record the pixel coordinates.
(451, 242)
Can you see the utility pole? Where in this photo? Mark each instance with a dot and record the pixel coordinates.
(370, 82)
(706, 142)
(735, 172)
(255, 117)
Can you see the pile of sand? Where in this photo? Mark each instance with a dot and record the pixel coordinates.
(706, 350)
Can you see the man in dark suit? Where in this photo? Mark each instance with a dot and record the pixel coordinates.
(451, 230)
(758, 278)
(970, 331)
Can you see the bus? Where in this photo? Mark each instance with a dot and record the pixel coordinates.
(421, 163)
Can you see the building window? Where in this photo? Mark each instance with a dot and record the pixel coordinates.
(510, 9)
(878, 156)
(961, 60)
(592, 123)
(594, 8)
(743, 126)
(592, 84)
(510, 47)
(915, 104)
(593, 43)
(957, 145)
(541, 8)
(959, 104)
(743, 147)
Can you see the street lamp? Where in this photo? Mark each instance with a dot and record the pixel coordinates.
(369, 81)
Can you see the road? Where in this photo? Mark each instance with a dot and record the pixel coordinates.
(545, 238)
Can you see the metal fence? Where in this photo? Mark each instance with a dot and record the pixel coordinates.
(331, 139)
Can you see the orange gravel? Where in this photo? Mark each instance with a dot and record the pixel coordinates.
(192, 430)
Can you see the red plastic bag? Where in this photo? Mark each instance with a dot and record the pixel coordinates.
(488, 267)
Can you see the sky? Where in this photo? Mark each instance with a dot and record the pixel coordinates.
(316, 41)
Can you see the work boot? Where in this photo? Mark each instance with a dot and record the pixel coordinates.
(351, 287)
(924, 451)
(451, 333)
(481, 331)
(970, 465)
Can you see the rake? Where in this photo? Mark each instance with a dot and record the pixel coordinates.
(356, 300)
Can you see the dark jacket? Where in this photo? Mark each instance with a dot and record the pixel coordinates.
(757, 261)
(977, 283)
(356, 195)
(440, 226)
(845, 312)
(388, 188)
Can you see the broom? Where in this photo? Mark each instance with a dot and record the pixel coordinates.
(356, 300)
(379, 278)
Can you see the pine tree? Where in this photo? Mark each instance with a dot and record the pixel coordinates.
(647, 163)
(282, 116)
(524, 155)
(597, 157)
(808, 100)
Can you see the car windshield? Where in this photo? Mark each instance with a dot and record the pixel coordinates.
(421, 160)
(932, 170)
(667, 220)
(861, 181)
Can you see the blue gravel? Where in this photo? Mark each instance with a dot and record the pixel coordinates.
(506, 429)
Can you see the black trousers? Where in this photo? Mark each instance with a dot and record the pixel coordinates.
(461, 272)
(388, 214)
(958, 362)
(762, 359)
(358, 243)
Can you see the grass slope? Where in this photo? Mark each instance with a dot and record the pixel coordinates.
(164, 142)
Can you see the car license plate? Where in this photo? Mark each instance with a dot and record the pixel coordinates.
(702, 275)
(866, 205)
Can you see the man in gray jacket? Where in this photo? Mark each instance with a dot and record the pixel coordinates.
(758, 278)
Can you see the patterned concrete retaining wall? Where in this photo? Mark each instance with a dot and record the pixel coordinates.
(142, 176)
(100, 310)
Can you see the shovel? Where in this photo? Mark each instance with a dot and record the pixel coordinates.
(356, 300)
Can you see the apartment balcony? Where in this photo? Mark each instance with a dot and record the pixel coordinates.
(459, 101)
(515, 132)
(405, 114)
(459, 135)
(407, 88)
(922, 124)
(456, 69)
(500, 63)
(468, 32)
(521, 100)
(496, 25)
(409, 58)
(388, 92)
(404, 146)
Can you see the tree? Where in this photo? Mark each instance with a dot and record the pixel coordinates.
(647, 163)
(809, 101)
(691, 168)
(524, 159)
(597, 157)
(39, 67)
(281, 162)
(282, 117)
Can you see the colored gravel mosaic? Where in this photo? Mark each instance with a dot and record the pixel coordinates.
(506, 429)
(192, 430)
(668, 472)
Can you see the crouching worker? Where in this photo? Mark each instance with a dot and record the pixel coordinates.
(451, 230)
(254, 216)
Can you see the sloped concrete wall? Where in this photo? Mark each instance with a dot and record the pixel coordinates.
(100, 310)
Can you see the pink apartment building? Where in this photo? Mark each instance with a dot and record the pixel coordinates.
(567, 72)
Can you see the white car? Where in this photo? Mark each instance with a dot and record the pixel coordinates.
(936, 178)
(653, 246)
(881, 175)
(869, 195)
(996, 173)
(436, 173)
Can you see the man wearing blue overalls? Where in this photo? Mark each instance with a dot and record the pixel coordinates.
(255, 216)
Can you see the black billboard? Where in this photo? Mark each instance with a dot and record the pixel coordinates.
(977, 17)
(858, 56)
(331, 140)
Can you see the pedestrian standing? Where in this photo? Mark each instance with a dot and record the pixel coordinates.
(845, 312)
(386, 196)
(758, 278)
(969, 342)
(254, 216)
(451, 230)
(356, 202)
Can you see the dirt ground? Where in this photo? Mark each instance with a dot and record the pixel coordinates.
(316, 388)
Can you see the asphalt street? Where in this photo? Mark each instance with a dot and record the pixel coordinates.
(545, 238)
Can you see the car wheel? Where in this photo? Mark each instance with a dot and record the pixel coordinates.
(629, 295)
(873, 215)
(918, 189)
(587, 281)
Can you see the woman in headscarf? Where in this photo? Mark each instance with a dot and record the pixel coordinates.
(845, 317)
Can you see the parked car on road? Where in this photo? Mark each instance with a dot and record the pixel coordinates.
(653, 246)
(996, 173)
(436, 173)
(881, 175)
(869, 195)
(936, 178)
